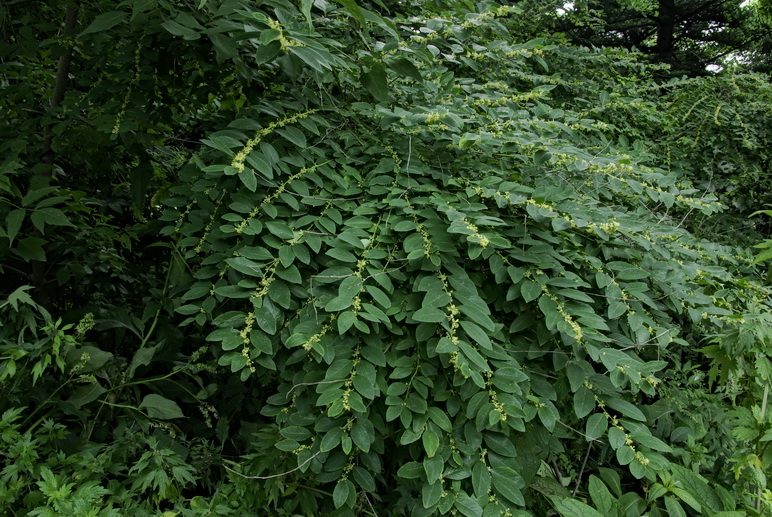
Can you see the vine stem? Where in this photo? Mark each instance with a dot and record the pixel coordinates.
(272, 476)
(581, 470)
(158, 312)
(763, 414)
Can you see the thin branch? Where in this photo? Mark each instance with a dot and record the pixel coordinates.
(273, 476)
(581, 470)
(578, 432)
(315, 384)
(650, 340)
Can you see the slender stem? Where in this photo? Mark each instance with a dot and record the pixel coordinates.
(314, 489)
(158, 312)
(764, 400)
(44, 404)
(274, 475)
(581, 470)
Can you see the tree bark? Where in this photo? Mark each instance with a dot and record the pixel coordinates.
(665, 29)
(41, 293)
(60, 85)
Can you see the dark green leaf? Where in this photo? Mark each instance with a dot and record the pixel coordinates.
(505, 482)
(375, 82)
(468, 506)
(430, 494)
(431, 442)
(105, 21)
(429, 315)
(584, 402)
(405, 67)
(160, 407)
(596, 426)
(13, 222)
(249, 179)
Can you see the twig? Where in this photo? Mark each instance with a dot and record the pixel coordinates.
(315, 383)
(581, 470)
(577, 431)
(273, 475)
(650, 340)
(372, 508)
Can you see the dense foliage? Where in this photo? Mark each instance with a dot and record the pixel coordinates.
(305, 258)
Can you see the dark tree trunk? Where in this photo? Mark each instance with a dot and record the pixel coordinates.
(41, 293)
(665, 29)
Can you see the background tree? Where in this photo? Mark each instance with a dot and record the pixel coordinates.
(688, 35)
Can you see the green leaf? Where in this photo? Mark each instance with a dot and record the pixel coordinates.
(530, 290)
(161, 407)
(290, 274)
(644, 438)
(248, 178)
(346, 321)
(481, 479)
(379, 296)
(267, 317)
(287, 445)
(405, 67)
(616, 437)
(596, 426)
(54, 217)
(331, 439)
(477, 334)
(440, 418)
(266, 53)
(280, 229)
(674, 508)
(85, 395)
(350, 287)
(245, 266)
(505, 482)
(14, 220)
(341, 493)
(626, 409)
(601, 496)
(295, 432)
(355, 11)
(501, 444)
(573, 508)
(687, 498)
(375, 82)
(233, 291)
(429, 315)
(474, 313)
(430, 494)
(616, 309)
(411, 470)
(435, 298)
(467, 506)
(584, 402)
(338, 304)
(31, 248)
(305, 8)
(364, 479)
(362, 437)
(632, 274)
(431, 442)
(142, 357)
(105, 21)
(294, 135)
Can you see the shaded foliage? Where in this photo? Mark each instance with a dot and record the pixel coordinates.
(316, 258)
